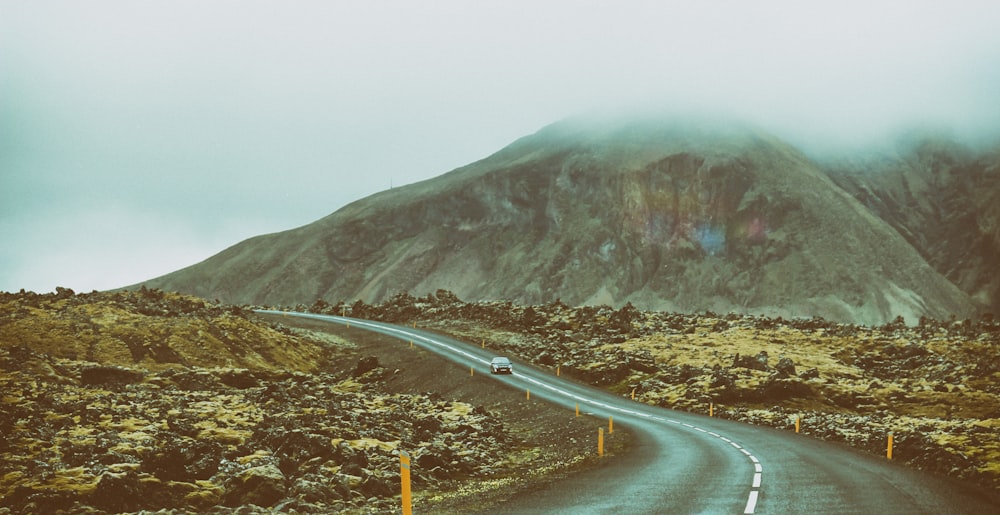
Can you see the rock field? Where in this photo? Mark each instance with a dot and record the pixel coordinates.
(148, 401)
(157, 402)
(934, 386)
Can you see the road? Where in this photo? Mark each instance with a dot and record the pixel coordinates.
(689, 463)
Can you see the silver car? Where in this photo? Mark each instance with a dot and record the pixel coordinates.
(501, 365)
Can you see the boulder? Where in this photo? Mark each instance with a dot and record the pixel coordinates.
(785, 367)
(365, 365)
(758, 362)
(118, 492)
(375, 487)
(101, 375)
(263, 486)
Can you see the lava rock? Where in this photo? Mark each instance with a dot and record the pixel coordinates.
(785, 367)
(758, 362)
(263, 486)
(365, 365)
(101, 375)
(118, 492)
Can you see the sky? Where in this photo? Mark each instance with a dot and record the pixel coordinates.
(140, 137)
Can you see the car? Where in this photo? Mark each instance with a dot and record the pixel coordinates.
(501, 365)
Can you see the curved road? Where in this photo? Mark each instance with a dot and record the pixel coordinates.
(689, 463)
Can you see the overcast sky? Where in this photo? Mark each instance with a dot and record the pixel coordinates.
(139, 137)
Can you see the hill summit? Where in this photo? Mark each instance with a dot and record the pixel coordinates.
(663, 213)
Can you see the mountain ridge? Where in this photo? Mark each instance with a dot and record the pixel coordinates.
(661, 213)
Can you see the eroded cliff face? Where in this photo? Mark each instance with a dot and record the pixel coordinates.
(661, 214)
(944, 199)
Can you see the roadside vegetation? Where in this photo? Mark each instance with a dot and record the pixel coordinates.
(934, 386)
(145, 400)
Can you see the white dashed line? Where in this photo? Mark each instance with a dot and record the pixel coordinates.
(751, 502)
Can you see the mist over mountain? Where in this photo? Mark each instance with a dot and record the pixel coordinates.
(666, 213)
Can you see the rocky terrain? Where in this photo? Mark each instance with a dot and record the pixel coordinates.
(665, 213)
(935, 385)
(153, 401)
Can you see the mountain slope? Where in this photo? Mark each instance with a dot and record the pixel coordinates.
(666, 214)
(944, 200)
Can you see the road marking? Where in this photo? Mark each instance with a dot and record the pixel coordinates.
(751, 502)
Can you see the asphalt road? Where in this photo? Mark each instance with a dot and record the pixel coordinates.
(688, 463)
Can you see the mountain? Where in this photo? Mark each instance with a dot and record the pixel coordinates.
(944, 199)
(665, 213)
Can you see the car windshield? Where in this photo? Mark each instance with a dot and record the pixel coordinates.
(501, 361)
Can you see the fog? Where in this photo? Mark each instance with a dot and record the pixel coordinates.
(137, 138)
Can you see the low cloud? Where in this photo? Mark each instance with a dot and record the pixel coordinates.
(187, 115)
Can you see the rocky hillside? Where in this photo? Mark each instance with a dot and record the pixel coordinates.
(666, 214)
(944, 199)
(150, 401)
(935, 386)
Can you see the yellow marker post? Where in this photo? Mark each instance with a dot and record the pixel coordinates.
(578, 409)
(600, 441)
(888, 449)
(404, 479)
(483, 344)
(472, 371)
(711, 409)
(557, 370)
(797, 421)
(527, 394)
(611, 425)
(633, 394)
